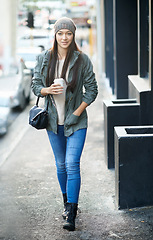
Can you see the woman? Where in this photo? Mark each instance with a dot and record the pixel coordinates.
(67, 108)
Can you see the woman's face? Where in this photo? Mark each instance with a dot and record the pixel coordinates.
(64, 38)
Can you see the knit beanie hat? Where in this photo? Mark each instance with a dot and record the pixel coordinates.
(65, 23)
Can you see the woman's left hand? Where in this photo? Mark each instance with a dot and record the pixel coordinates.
(73, 119)
(76, 113)
(80, 109)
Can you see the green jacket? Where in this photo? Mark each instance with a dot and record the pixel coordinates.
(86, 80)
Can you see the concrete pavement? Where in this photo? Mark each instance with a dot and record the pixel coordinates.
(31, 202)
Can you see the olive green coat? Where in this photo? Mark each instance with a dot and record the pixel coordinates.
(86, 90)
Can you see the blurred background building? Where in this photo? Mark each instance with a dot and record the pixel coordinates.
(116, 34)
(8, 16)
(30, 24)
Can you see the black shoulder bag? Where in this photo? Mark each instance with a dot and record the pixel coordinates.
(38, 117)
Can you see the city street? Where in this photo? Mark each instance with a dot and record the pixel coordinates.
(18, 126)
(31, 202)
(118, 39)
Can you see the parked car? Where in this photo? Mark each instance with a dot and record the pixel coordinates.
(36, 38)
(28, 54)
(17, 85)
(4, 112)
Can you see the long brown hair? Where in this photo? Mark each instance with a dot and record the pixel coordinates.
(53, 60)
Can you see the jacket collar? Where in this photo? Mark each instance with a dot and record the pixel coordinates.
(47, 57)
(74, 58)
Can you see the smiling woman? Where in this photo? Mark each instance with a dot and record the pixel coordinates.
(64, 38)
(64, 72)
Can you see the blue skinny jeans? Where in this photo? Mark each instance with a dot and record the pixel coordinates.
(67, 152)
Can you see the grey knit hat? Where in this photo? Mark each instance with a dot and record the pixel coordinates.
(65, 23)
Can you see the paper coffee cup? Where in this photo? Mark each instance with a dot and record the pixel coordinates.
(59, 81)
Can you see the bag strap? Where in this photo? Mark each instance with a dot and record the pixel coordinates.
(53, 102)
(37, 101)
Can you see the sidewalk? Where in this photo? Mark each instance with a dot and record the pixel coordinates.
(31, 202)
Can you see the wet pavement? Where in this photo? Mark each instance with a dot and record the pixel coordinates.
(30, 198)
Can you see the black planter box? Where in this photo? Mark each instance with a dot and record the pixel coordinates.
(133, 166)
(123, 112)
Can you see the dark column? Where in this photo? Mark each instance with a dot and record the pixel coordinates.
(141, 85)
(151, 44)
(125, 40)
(143, 36)
(109, 59)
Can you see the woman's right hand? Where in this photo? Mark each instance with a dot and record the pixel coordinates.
(54, 89)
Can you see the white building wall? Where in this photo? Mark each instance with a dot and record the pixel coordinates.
(8, 16)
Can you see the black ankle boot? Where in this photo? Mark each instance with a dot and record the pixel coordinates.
(70, 219)
(64, 214)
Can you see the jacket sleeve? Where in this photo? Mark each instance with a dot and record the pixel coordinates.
(89, 81)
(37, 83)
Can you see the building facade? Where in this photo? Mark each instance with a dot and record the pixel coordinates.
(126, 50)
(8, 16)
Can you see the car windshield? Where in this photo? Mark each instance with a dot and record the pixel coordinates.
(28, 56)
(4, 101)
(35, 37)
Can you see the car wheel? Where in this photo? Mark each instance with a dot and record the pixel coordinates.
(28, 99)
(23, 102)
